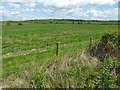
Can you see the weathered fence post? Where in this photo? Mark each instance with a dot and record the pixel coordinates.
(57, 48)
(91, 41)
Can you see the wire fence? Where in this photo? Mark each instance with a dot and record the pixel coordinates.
(46, 48)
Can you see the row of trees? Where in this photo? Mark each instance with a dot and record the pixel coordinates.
(10, 23)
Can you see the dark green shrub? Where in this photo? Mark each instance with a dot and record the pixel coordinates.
(20, 24)
(51, 22)
(114, 38)
(8, 23)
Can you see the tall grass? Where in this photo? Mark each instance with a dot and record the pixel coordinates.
(81, 71)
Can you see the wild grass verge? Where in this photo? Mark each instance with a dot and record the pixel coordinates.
(81, 71)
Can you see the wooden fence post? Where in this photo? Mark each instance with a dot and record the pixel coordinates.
(57, 48)
(91, 41)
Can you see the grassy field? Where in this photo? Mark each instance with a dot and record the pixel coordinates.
(30, 45)
(33, 36)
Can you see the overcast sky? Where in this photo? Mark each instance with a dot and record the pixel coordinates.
(58, 9)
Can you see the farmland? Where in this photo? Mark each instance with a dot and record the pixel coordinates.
(25, 48)
(30, 36)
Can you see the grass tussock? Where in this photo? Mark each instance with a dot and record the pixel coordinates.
(82, 71)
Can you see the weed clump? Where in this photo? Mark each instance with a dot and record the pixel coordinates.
(83, 71)
(108, 46)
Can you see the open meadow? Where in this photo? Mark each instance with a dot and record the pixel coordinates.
(27, 47)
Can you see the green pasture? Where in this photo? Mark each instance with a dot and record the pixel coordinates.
(33, 36)
(73, 38)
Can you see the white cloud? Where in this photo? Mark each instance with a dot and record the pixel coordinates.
(30, 5)
(47, 10)
(61, 3)
(102, 2)
(75, 3)
(28, 9)
(15, 12)
(1, 7)
(14, 5)
(65, 3)
(59, 9)
(106, 14)
(10, 15)
(16, 0)
(79, 13)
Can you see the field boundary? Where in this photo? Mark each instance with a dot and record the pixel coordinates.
(19, 53)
